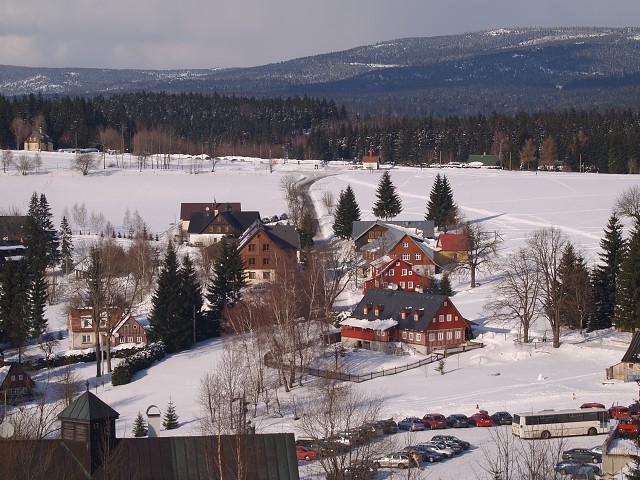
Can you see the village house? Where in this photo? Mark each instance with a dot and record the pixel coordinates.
(365, 232)
(125, 328)
(15, 383)
(385, 319)
(451, 248)
(211, 226)
(628, 369)
(38, 141)
(391, 272)
(371, 161)
(261, 247)
(188, 209)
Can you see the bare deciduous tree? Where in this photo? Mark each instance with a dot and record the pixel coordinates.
(84, 163)
(518, 291)
(482, 250)
(294, 196)
(79, 213)
(628, 204)
(546, 246)
(328, 200)
(25, 164)
(7, 160)
(19, 128)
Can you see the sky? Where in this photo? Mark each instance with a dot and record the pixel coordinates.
(162, 35)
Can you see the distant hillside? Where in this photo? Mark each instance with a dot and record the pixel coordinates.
(503, 70)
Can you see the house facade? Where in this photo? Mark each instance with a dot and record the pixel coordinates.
(392, 272)
(261, 247)
(365, 232)
(452, 248)
(15, 383)
(423, 322)
(371, 161)
(628, 369)
(408, 249)
(211, 226)
(38, 141)
(126, 329)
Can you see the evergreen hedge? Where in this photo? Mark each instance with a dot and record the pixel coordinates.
(140, 360)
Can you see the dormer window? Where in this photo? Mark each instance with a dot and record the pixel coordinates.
(365, 310)
(416, 316)
(403, 314)
(376, 312)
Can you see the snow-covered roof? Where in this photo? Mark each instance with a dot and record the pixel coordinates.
(369, 324)
(4, 371)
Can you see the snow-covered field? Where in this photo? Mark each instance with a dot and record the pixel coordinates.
(502, 376)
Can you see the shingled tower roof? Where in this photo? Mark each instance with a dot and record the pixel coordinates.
(87, 407)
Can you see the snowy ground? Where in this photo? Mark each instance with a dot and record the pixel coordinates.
(502, 376)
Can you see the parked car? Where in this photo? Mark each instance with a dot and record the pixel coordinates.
(635, 408)
(463, 443)
(434, 421)
(619, 411)
(388, 426)
(592, 405)
(628, 426)
(597, 449)
(355, 471)
(502, 418)
(481, 420)
(457, 420)
(568, 467)
(369, 431)
(412, 424)
(440, 448)
(586, 472)
(426, 454)
(395, 460)
(453, 445)
(582, 454)
(305, 453)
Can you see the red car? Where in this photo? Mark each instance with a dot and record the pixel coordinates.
(434, 421)
(592, 405)
(628, 426)
(305, 453)
(619, 412)
(481, 420)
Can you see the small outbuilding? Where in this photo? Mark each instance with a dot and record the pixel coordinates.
(628, 369)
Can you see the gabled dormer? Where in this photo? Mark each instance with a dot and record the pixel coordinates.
(366, 307)
(378, 309)
(417, 314)
(405, 312)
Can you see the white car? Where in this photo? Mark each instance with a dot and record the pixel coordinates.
(441, 448)
(395, 460)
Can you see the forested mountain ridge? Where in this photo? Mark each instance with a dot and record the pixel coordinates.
(506, 70)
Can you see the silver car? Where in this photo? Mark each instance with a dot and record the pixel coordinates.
(395, 460)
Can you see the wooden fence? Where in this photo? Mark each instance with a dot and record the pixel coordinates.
(358, 378)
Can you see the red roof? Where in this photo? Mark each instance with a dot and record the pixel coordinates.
(452, 242)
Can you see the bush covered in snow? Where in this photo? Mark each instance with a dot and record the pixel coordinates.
(138, 361)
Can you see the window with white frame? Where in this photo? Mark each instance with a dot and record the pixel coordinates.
(406, 256)
(130, 339)
(403, 315)
(404, 335)
(411, 336)
(417, 256)
(432, 337)
(409, 284)
(402, 285)
(440, 336)
(139, 339)
(448, 317)
(86, 322)
(441, 318)
(405, 244)
(391, 272)
(458, 334)
(418, 337)
(449, 335)
(86, 338)
(404, 272)
(410, 272)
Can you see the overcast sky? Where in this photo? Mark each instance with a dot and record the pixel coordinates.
(163, 34)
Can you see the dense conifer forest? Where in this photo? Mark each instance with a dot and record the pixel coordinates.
(303, 127)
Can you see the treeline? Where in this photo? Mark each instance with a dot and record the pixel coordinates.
(302, 127)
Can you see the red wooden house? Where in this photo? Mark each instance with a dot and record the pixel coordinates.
(386, 318)
(391, 272)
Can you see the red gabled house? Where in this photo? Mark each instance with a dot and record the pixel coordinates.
(385, 318)
(391, 272)
(124, 328)
(15, 383)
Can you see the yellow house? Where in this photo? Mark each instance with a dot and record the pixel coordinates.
(38, 141)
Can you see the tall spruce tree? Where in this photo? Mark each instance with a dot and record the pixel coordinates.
(347, 212)
(440, 205)
(190, 297)
(388, 204)
(15, 305)
(228, 279)
(604, 277)
(627, 309)
(574, 276)
(165, 318)
(170, 419)
(307, 230)
(38, 294)
(66, 244)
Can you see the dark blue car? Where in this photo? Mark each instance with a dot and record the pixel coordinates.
(428, 455)
(569, 467)
(458, 420)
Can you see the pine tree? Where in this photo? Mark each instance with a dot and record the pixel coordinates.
(228, 279)
(66, 244)
(574, 276)
(444, 287)
(170, 419)
(165, 304)
(139, 426)
(388, 204)
(307, 230)
(15, 305)
(37, 295)
(190, 297)
(347, 212)
(604, 277)
(52, 243)
(627, 309)
(440, 205)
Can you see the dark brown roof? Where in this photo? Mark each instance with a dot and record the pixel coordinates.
(187, 209)
(632, 354)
